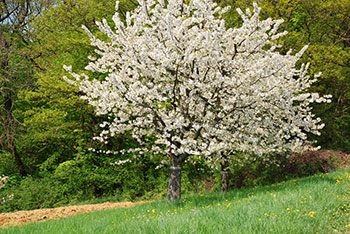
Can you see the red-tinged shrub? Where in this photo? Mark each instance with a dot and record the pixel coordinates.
(310, 162)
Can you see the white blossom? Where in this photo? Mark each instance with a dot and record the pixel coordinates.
(121, 162)
(176, 72)
(3, 181)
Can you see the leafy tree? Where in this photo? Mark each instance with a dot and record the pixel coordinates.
(173, 71)
(57, 122)
(16, 67)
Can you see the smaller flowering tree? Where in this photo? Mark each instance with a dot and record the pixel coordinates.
(173, 71)
(3, 182)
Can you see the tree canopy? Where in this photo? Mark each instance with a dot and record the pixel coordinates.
(174, 71)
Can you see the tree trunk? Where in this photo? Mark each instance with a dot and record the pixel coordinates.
(18, 161)
(174, 187)
(10, 130)
(225, 176)
(7, 119)
(225, 181)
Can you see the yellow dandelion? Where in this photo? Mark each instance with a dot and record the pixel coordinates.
(312, 213)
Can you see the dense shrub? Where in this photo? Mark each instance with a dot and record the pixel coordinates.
(7, 164)
(311, 162)
(260, 171)
(32, 193)
(93, 177)
(257, 170)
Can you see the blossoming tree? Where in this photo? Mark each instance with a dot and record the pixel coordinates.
(175, 72)
(3, 181)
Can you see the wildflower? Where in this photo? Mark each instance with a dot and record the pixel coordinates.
(288, 210)
(153, 211)
(312, 213)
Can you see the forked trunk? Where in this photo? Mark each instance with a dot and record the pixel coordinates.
(174, 187)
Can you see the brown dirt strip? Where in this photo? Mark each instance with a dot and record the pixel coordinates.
(24, 217)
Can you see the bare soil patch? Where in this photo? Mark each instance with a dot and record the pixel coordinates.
(24, 217)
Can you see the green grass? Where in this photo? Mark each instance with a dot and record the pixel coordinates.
(317, 204)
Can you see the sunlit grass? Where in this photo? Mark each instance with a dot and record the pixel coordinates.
(317, 204)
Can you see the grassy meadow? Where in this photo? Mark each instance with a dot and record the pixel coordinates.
(316, 204)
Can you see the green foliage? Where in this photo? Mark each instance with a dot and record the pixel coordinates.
(56, 120)
(96, 175)
(31, 193)
(197, 176)
(250, 171)
(89, 176)
(7, 165)
(253, 171)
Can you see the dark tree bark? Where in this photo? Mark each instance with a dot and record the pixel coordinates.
(225, 176)
(7, 119)
(14, 19)
(10, 129)
(18, 160)
(174, 187)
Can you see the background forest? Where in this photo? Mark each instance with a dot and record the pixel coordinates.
(46, 129)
